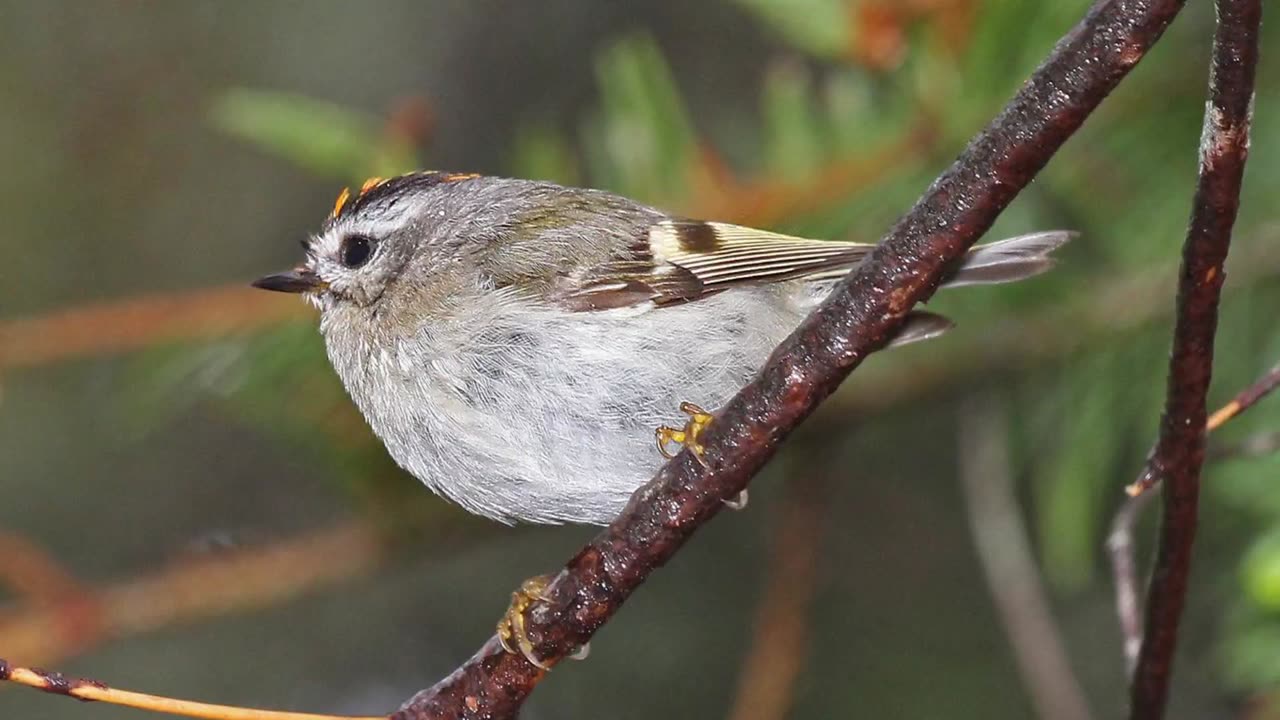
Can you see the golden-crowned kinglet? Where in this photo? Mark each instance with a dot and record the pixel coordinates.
(515, 343)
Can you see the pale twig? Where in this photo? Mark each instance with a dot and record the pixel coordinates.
(94, 691)
(1245, 399)
(1124, 573)
(1001, 541)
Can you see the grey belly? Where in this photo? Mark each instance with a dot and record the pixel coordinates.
(551, 419)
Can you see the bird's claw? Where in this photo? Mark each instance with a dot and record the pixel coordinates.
(511, 628)
(688, 436)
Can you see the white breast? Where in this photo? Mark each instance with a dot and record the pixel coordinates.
(518, 411)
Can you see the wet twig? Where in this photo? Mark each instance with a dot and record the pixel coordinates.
(1179, 452)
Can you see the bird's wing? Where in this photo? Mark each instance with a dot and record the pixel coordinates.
(683, 260)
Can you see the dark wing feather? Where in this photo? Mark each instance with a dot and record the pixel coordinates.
(682, 260)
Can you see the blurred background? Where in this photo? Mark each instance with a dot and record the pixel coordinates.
(191, 506)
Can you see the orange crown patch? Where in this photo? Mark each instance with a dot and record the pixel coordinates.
(345, 198)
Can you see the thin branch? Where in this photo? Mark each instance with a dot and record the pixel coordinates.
(1124, 573)
(113, 327)
(780, 641)
(857, 319)
(217, 585)
(32, 574)
(1120, 545)
(214, 586)
(1245, 399)
(1179, 451)
(1003, 548)
(94, 691)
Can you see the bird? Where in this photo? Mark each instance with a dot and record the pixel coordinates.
(519, 345)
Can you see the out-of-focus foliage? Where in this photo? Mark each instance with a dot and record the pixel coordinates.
(817, 26)
(321, 137)
(1262, 572)
(640, 142)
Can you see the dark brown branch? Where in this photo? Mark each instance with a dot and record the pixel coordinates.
(1179, 451)
(1243, 400)
(858, 318)
(1120, 539)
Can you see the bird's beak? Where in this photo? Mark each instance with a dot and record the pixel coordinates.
(297, 280)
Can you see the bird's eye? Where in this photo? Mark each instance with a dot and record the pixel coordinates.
(356, 250)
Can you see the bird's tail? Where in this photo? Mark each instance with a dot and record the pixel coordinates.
(1016, 258)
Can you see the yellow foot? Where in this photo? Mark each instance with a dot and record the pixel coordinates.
(699, 419)
(511, 630)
